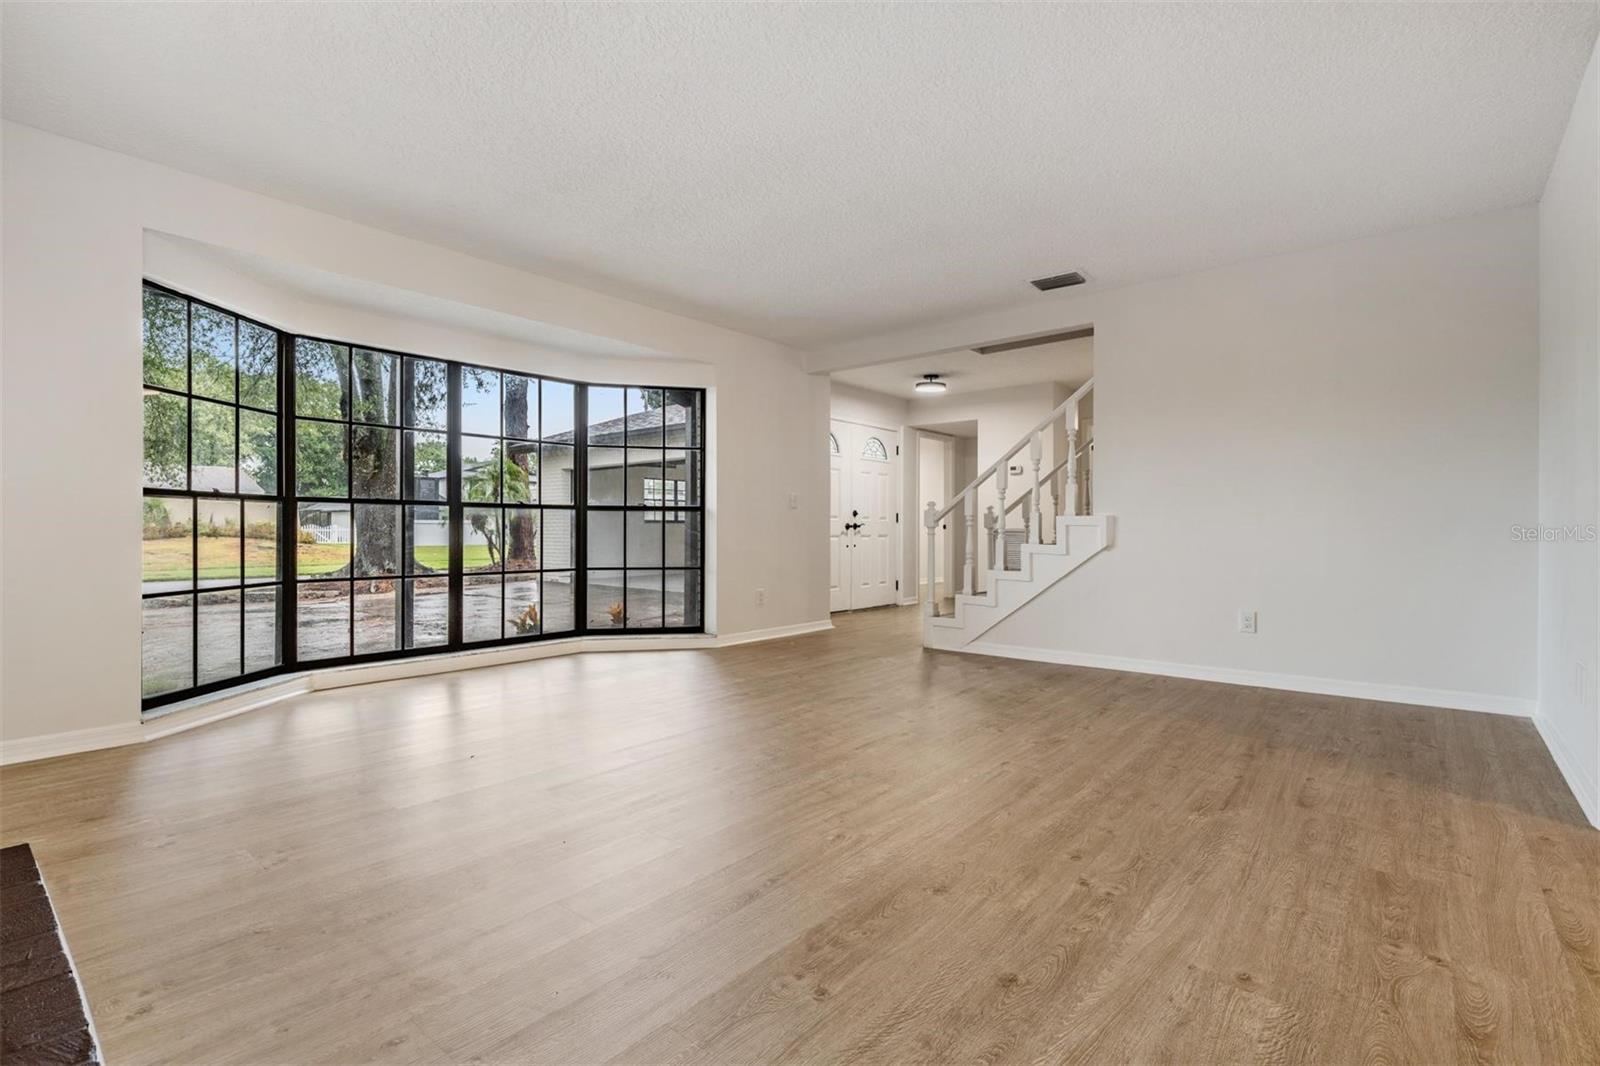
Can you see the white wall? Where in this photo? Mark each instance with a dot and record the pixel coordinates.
(75, 219)
(1340, 439)
(866, 407)
(1569, 451)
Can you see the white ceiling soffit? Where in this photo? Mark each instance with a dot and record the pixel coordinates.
(817, 173)
(966, 371)
(339, 289)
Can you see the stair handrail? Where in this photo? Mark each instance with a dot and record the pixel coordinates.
(1027, 438)
(932, 517)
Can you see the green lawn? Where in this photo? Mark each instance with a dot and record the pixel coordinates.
(169, 559)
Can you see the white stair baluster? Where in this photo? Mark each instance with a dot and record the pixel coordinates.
(1000, 486)
(1072, 469)
(1036, 453)
(930, 518)
(990, 528)
(970, 507)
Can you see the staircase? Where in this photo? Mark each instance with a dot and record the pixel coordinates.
(1021, 563)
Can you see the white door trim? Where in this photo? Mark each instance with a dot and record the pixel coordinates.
(898, 462)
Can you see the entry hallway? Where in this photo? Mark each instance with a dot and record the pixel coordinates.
(834, 847)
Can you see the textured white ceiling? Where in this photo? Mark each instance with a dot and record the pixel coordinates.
(811, 173)
(1068, 362)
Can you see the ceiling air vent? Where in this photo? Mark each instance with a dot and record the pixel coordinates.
(1060, 281)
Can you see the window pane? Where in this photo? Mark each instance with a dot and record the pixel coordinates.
(644, 417)
(683, 598)
(321, 379)
(430, 540)
(220, 636)
(605, 538)
(683, 539)
(166, 441)
(429, 462)
(480, 469)
(320, 463)
(480, 401)
(559, 598)
(166, 340)
(429, 394)
(480, 537)
(681, 414)
(605, 416)
(556, 543)
(556, 475)
(644, 538)
(429, 611)
(212, 450)
(555, 411)
(261, 639)
(522, 605)
(604, 593)
(605, 475)
(642, 466)
(168, 546)
(378, 616)
(212, 353)
(323, 544)
(167, 640)
(374, 387)
(521, 406)
(684, 468)
(220, 538)
(322, 624)
(258, 366)
(258, 453)
(644, 599)
(261, 541)
(375, 462)
(522, 538)
(377, 540)
(481, 604)
(521, 472)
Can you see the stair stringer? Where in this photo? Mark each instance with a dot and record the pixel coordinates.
(1079, 538)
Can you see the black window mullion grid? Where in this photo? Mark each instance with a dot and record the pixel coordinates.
(286, 500)
(456, 508)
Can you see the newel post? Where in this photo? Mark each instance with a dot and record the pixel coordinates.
(1072, 468)
(990, 527)
(970, 507)
(930, 519)
(1036, 453)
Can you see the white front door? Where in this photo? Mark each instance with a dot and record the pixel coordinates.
(863, 531)
(838, 536)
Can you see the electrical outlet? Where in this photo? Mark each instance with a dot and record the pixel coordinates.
(761, 597)
(794, 501)
(1247, 621)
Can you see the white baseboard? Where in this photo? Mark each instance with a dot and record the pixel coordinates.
(751, 636)
(50, 745)
(1583, 786)
(1321, 686)
(203, 710)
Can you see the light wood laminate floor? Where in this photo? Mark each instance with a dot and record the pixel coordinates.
(837, 847)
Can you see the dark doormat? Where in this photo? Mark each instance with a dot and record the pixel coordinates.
(43, 1018)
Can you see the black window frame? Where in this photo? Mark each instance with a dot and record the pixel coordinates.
(287, 499)
(243, 586)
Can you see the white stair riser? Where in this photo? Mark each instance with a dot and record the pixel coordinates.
(1078, 539)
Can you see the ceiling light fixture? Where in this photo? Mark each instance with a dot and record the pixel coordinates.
(930, 385)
